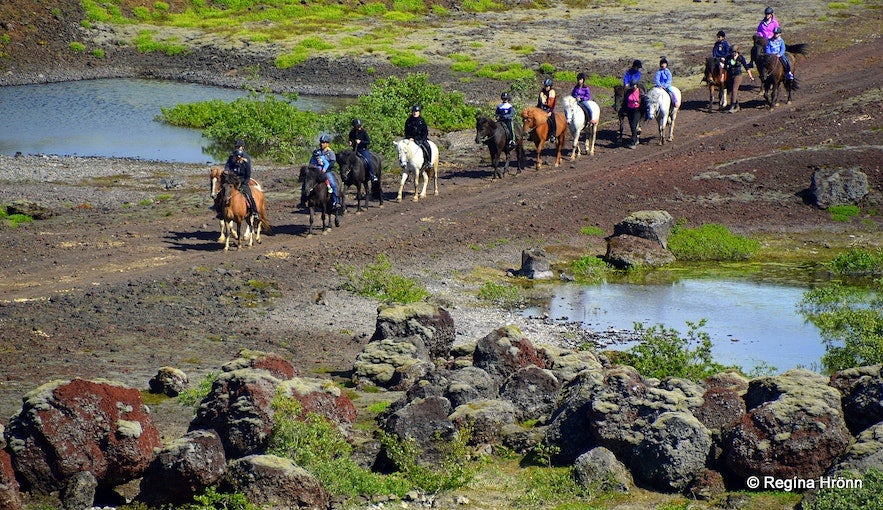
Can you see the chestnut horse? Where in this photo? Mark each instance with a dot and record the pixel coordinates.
(233, 207)
(716, 77)
(535, 122)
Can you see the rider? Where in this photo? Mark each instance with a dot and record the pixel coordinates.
(506, 113)
(663, 79)
(721, 48)
(546, 101)
(417, 130)
(631, 79)
(330, 157)
(319, 161)
(359, 140)
(239, 162)
(776, 46)
(582, 94)
(767, 25)
(734, 64)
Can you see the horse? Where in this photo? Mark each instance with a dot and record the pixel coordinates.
(659, 107)
(215, 173)
(354, 171)
(536, 129)
(412, 161)
(758, 50)
(772, 73)
(618, 99)
(576, 121)
(716, 77)
(318, 196)
(233, 207)
(493, 134)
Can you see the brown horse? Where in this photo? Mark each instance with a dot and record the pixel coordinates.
(493, 134)
(535, 122)
(233, 207)
(716, 77)
(773, 71)
(319, 197)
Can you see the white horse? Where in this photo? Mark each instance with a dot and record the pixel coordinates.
(412, 161)
(576, 121)
(659, 107)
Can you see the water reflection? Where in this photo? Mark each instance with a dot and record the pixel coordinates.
(113, 118)
(750, 323)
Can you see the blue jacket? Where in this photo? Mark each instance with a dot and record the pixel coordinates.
(632, 75)
(663, 78)
(321, 162)
(776, 46)
(721, 49)
(505, 111)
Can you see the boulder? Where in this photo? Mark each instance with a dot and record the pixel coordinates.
(862, 396)
(566, 363)
(485, 418)
(275, 483)
(380, 361)
(534, 265)
(651, 225)
(625, 251)
(433, 324)
(79, 492)
(521, 439)
(67, 427)
(10, 497)
(183, 469)
(504, 351)
(599, 469)
(323, 397)
(468, 384)
(425, 421)
(34, 210)
(708, 485)
(279, 367)
(865, 453)
(720, 408)
(239, 408)
(533, 391)
(794, 427)
(838, 186)
(169, 381)
(672, 452)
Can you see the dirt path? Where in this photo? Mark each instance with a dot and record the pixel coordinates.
(119, 292)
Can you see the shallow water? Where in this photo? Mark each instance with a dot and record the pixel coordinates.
(750, 323)
(113, 118)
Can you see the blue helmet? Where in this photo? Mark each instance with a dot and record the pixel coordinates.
(324, 139)
(768, 10)
(357, 122)
(548, 82)
(239, 153)
(777, 30)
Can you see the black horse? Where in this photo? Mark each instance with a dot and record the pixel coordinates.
(771, 70)
(493, 134)
(355, 172)
(623, 113)
(318, 196)
(758, 50)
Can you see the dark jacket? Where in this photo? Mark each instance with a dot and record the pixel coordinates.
(243, 169)
(416, 128)
(362, 136)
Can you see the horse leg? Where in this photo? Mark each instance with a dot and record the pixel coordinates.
(671, 128)
(540, 145)
(310, 231)
(435, 178)
(575, 153)
(710, 98)
(402, 186)
(425, 184)
(223, 236)
(591, 150)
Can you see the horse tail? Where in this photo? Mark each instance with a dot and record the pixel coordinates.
(797, 49)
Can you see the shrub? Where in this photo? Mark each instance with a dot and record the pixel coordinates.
(501, 293)
(212, 499)
(451, 473)
(850, 320)
(663, 352)
(843, 212)
(858, 262)
(710, 242)
(193, 396)
(16, 219)
(77, 46)
(864, 497)
(592, 230)
(377, 281)
(589, 269)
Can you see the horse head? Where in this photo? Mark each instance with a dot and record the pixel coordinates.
(529, 120)
(618, 97)
(215, 174)
(484, 129)
(406, 151)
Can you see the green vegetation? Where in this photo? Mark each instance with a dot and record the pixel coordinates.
(193, 396)
(710, 242)
(850, 320)
(547, 487)
(15, 219)
(858, 262)
(451, 473)
(868, 496)
(213, 499)
(589, 269)
(592, 230)
(482, 6)
(376, 280)
(145, 44)
(843, 212)
(77, 46)
(504, 294)
(665, 353)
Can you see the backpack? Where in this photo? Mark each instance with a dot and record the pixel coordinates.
(634, 98)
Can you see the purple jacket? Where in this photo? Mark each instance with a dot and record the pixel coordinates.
(765, 29)
(581, 93)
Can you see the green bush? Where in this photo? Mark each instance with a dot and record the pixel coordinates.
(663, 352)
(500, 293)
(858, 262)
(16, 219)
(212, 499)
(77, 46)
(867, 496)
(193, 396)
(451, 473)
(850, 320)
(589, 269)
(377, 281)
(843, 212)
(710, 242)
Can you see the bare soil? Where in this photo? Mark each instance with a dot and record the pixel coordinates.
(118, 291)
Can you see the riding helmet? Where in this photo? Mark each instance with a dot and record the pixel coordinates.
(317, 153)
(239, 143)
(415, 108)
(324, 139)
(357, 122)
(777, 30)
(663, 60)
(721, 33)
(505, 96)
(768, 10)
(637, 64)
(239, 153)
(548, 82)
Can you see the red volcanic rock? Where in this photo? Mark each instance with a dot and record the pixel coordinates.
(10, 499)
(322, 397)
(66, 427)
(278, 366)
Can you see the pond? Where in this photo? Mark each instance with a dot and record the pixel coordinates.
(750, 323)
(114, 118)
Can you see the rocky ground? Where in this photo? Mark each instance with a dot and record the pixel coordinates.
(127, 276)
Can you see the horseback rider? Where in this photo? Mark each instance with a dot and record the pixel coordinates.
(330, 157)
(768, 25)
(418, 132)
(546, 102)
(776, 46)
(505, 113)
(582, 94)
(319, 161)
(663, 79)
(239, 162)
(721, 48)
(360, 141)
(734, 64)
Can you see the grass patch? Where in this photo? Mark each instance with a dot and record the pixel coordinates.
(377, 280)
(77, 46)
(868, 494)
(504, 72)
(710, 242)
(193, 396)
(592, 231)
(14, 219)
(482, 6)
(504, 294)
(843, 212)
(145, 44)
(858, 262)
(589, 269)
